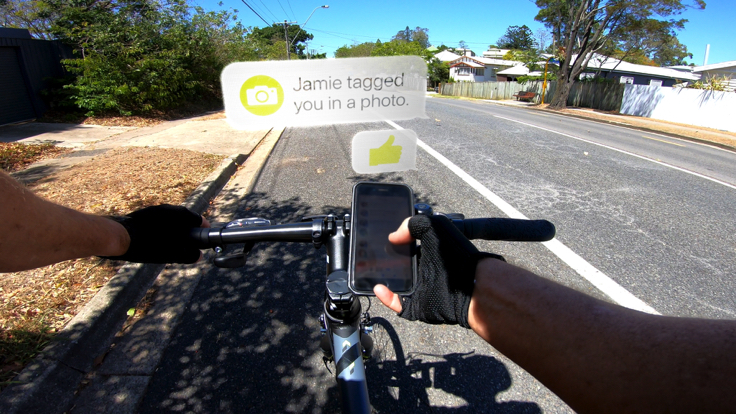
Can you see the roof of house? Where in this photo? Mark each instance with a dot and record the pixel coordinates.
(471, 64)
(518, 70)
(495, 52)
(446, 56)
(611, 64)
(486, 61)
(731, 64)
(12, 33)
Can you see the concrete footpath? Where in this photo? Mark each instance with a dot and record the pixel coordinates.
(95, 364)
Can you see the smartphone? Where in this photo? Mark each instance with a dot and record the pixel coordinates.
(378, 210)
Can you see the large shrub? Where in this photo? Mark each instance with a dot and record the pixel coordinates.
(134, 56)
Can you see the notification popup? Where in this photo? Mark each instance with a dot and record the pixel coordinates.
(261, 95)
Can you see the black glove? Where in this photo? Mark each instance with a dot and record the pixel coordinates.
(160, 234)
(446, 273)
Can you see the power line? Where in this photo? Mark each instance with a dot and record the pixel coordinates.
(264, 20)
(282, 8)
(292, 10)
(274, 18)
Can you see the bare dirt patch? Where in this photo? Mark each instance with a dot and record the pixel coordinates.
(37, 303)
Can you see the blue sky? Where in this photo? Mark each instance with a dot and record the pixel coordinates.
(478, 23)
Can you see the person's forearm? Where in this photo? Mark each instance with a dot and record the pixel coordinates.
(35, 232)
(600, 357)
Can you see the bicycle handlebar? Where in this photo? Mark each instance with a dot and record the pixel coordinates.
(220, 236)
(504, 229)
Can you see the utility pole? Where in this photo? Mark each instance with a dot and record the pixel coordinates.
(286, 36)
(303, 26)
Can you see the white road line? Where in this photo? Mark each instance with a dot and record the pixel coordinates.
(612, 123)
(604, 283)
(623, 152)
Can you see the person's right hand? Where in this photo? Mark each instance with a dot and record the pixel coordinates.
(160, 234)
(446, 272)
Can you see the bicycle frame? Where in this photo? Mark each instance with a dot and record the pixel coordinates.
(341, 320)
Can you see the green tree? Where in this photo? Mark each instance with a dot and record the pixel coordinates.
(581, 28)
(442, 48)
(275, 33)
(135, 56)
(671, 53)
(419, 35)
(530, 58)
(647, 42)
(398, 48)
(356, 50)
(26, 14)
(519, 38)
(438, 71)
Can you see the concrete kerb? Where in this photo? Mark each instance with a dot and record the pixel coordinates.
(645, 129)
(48, 384)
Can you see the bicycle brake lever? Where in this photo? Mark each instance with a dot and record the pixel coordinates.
(230, 261)
(234, 260)
(454, 216)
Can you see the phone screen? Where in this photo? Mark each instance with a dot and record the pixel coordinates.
(378, 210)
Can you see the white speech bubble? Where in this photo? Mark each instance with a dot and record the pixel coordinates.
(384, 151)
(261, 95)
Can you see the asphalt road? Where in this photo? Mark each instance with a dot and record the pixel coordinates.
(248, 341)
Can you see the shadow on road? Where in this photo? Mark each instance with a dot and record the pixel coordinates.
(249, 342)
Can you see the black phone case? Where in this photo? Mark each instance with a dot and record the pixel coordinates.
(351, 281)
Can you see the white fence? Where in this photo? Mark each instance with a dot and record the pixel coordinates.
(686, 106)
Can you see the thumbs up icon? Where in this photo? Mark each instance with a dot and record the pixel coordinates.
(373, 153)
(388, 153)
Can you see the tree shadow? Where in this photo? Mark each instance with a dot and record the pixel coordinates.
(12, 133)
(249, 340)
(641, 100)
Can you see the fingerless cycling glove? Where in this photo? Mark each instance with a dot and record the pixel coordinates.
(160, 234)
(446, 273)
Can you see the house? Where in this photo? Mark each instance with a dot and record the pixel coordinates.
(26, 64)
(625, 72)
(479, 69)
(724, 70)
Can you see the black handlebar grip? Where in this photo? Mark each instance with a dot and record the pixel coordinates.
(506, 229)
(205, 238)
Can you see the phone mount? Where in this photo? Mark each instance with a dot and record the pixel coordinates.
(426, 210)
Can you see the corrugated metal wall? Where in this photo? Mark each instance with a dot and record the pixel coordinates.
(15, 99)
(24, 66)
